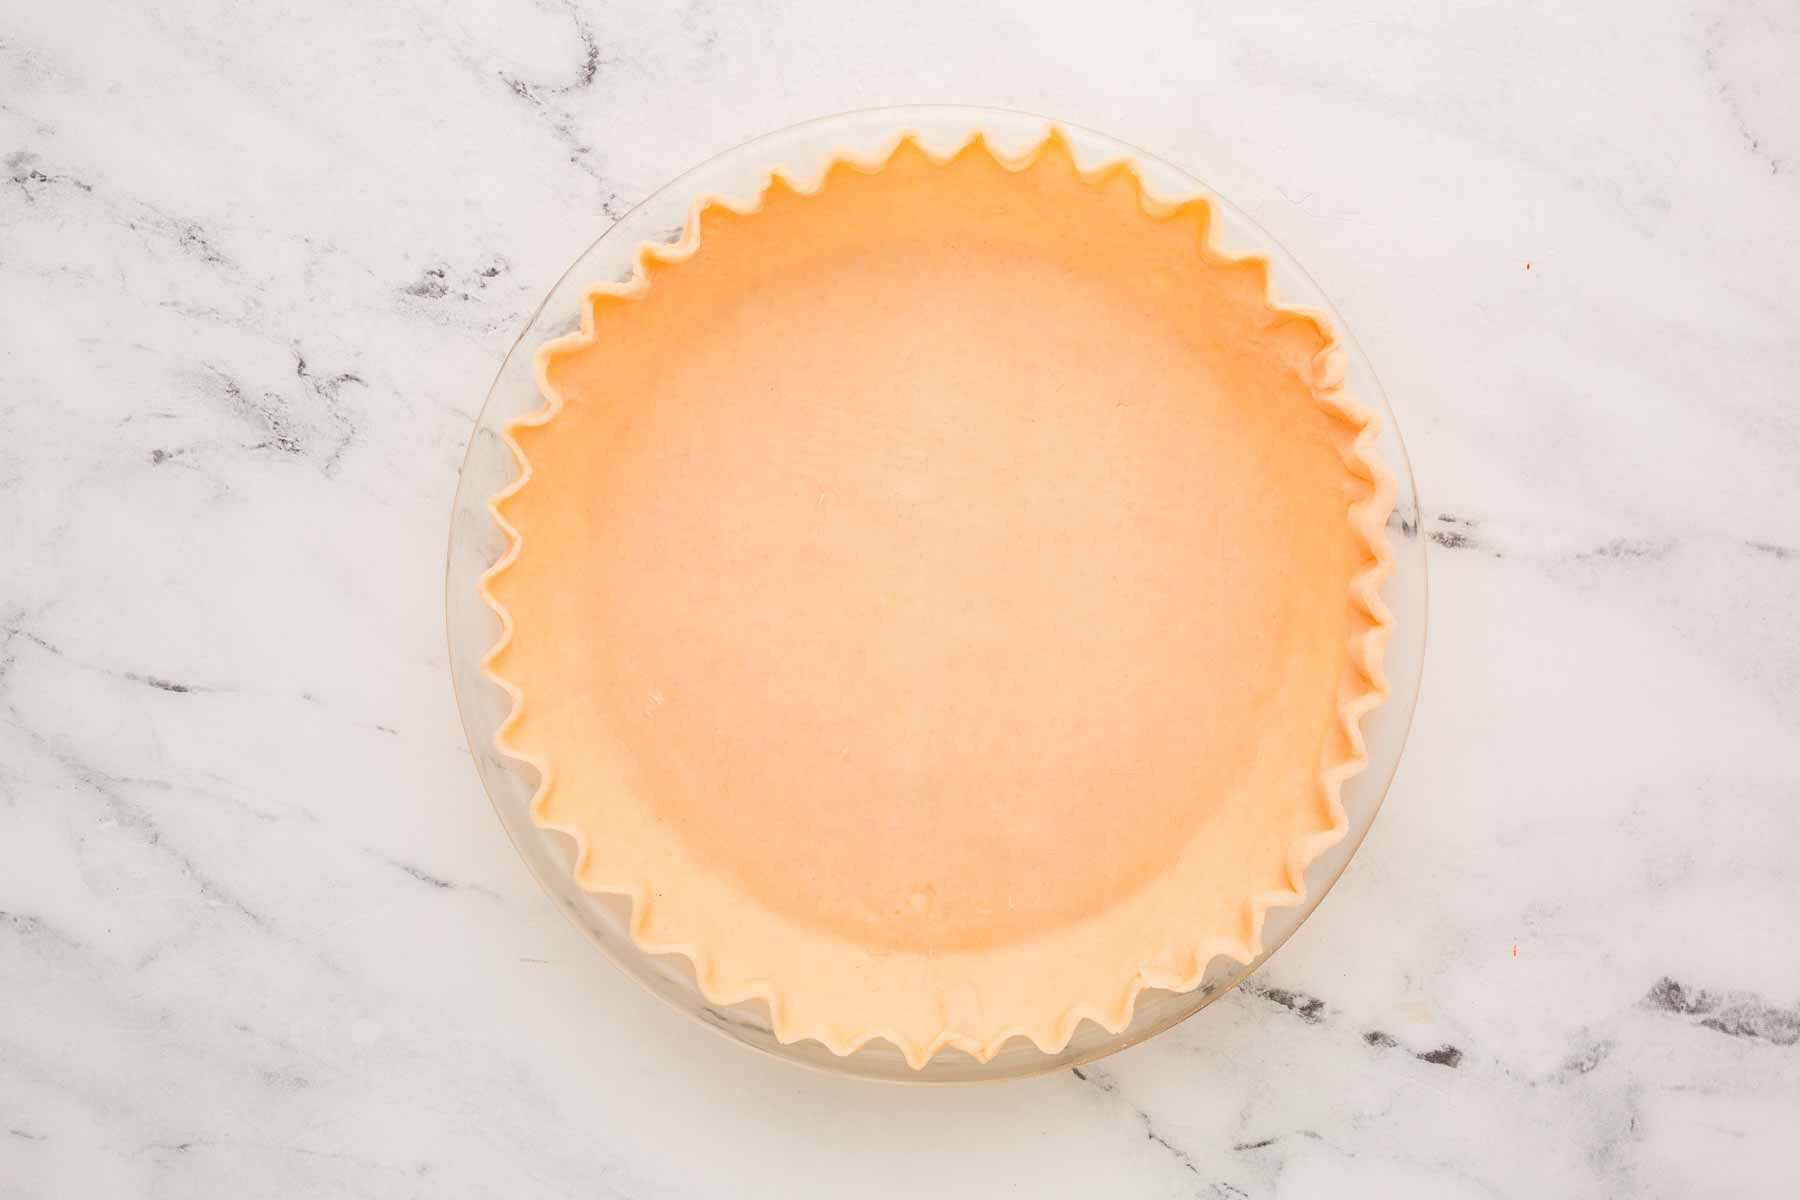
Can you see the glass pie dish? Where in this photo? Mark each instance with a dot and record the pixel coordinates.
(476, 543)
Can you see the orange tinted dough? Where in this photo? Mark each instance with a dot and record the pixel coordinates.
(940, 560)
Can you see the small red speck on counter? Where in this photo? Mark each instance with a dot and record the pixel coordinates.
(1515, 949)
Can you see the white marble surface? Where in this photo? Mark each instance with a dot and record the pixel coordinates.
(260, 934)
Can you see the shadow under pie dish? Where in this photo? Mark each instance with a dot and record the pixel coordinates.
(943, 599)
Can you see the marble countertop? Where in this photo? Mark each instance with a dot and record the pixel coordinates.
(260, 932)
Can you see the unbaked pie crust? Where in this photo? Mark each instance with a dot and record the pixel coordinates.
(943, 600)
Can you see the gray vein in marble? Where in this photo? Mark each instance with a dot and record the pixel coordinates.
(189, 1145)
(1265, 1143)
(26, 175)
(1101, 1081)
(317, 427)
(1735, 1015)
(561, 120)
(19, 631)
(165, 685)
(1460, 533)
(1442, 1056)
(1314, 1011)
(1585, 1059)
(1635, 549)
(1452, 539)
(1098, 1079)
(189, 237)
(1308, 1008)
(430, 285)
(134, 817)
(584, 74)
(1783, 553)
(435, 281)
(1727, 89)
(36, 929)
(435, 881)
(426, 877)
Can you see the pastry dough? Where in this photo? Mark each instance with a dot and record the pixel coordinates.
(943, 601)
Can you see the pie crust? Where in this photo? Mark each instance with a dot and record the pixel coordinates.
(944, 599)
